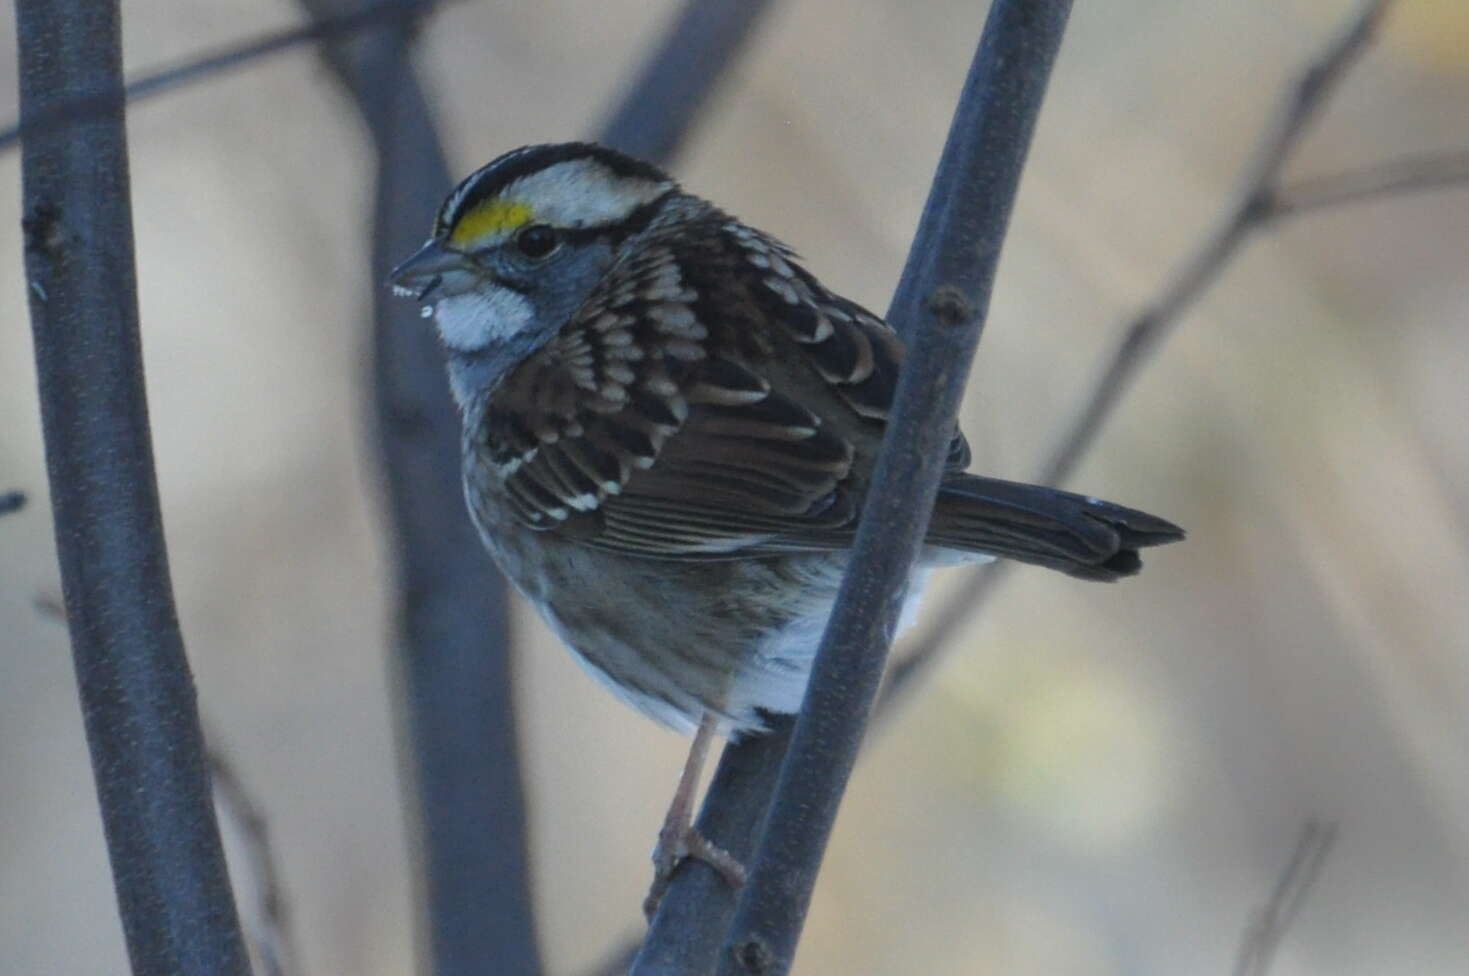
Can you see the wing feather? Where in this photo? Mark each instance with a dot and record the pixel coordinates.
(687, 411)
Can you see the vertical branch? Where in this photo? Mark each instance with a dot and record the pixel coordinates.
(137, 694)
(459, 688)
(453, 629)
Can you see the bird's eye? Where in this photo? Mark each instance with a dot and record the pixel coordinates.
(536, 241)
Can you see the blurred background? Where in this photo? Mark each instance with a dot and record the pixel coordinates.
(1099, 779)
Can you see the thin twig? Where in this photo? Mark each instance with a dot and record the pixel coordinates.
(272, 941)
(70, 111)
(1252, 210)
(11, 501)
(1416, 174)
(1268, 924)
(138, 699)
(1256, 205)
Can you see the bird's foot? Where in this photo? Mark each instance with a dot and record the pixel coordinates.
(677, 842)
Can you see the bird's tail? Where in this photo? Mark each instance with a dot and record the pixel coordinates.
(1078, 535)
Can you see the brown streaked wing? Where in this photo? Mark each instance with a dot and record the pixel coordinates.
(639, 428)
(646, 426)
(856, 352)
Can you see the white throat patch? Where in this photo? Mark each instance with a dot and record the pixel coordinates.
(471, 320)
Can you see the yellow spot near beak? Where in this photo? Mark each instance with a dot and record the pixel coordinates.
(493, 218)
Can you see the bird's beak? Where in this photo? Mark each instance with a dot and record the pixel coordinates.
(421, 273)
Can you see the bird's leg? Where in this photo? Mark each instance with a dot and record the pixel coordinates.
(678, 839)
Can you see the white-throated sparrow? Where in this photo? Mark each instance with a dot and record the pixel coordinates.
(669, 427)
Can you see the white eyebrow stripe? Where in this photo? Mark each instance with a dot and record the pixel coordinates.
(583, 193)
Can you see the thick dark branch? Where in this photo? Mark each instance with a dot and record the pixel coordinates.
(657, 113)
(1269, 924)
(11, 501)
(942, 302)
(1254, 207)
(452, 627)
(137, 694)
(92, 105)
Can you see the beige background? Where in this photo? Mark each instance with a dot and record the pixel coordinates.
(1100, 780)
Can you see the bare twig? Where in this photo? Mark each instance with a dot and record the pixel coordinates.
(1251, 211)
(1416, 174)
(137, 695)
(1269, 923)
(1257, 203)
(271, 940)
(92, 105)
(11, 501)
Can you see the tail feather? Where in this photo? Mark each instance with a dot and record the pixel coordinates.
(1076, 534)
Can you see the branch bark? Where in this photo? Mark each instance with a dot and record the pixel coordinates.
(459, 689)
(137, 694)
(453, 637)
(942, 300)
(940, 305)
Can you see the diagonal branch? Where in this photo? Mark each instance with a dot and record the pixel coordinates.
(1268, 926)
(271, 939)
(137, 695)
(943, 301)
(692, 921)
(1432, 171)
(1254, 208)
(1250, 212)
(105, 101)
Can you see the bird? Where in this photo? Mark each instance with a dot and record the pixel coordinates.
(669, 428)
